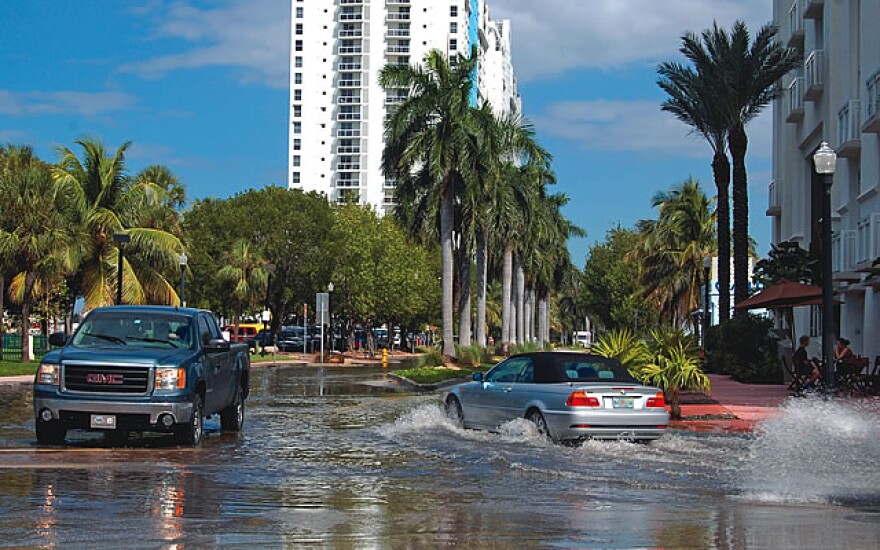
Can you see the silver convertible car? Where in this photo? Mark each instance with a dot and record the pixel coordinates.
(568, 395)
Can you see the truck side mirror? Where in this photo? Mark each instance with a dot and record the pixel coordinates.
(216, 345)
(57, 339)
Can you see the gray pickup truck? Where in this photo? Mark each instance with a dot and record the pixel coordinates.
(141, 369)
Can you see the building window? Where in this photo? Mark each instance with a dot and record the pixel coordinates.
(297, 95)
(453, 28)
(297, 78)
(297, 144)
(299, 28)
(297, 111)
(298, 46)
(453, 11)
(453, 45)
(298, 62)
(296, 177)
(296, 160)
(299, 12)
(297, 127)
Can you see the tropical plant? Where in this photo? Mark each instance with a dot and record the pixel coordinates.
(621, 344)
(110, 203)
(244, 270)
(429, 131)
(787, 260)
(675, 369)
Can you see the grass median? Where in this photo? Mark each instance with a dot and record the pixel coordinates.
(17, 368)
(434, 375)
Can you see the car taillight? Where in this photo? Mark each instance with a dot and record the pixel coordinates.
(580, 399)
(656, 402)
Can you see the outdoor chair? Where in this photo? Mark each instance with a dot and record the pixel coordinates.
(798, 380)
(850, 378)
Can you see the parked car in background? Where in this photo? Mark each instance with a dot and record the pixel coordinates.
(568, 396)
(246, 331)
(263, 339)
(293, 338)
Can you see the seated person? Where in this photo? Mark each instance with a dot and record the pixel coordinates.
(803, 365)
(843, 355)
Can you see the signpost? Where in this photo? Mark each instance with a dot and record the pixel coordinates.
(322, 308)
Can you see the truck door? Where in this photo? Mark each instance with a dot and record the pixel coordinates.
(224, 389)
(213, 376)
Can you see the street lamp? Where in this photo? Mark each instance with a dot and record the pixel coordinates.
(270, 268)
(825, 161)
(120, 239)
(707, 271)
(181, 260)
(330, 312)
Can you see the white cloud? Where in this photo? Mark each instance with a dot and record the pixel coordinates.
(638, 126)
(250, 35)
(64, 102)
(553, 36)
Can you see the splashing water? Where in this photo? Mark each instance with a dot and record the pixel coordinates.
(815, 451)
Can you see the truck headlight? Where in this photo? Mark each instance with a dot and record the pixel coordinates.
(170, 378)
(48, 374)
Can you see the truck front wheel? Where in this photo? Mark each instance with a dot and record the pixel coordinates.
(232, 417)
(191, 433)
(52, 432)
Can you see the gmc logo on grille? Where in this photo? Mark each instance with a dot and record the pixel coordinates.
(93, 378)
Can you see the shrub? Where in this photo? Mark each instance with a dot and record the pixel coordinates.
(744, 348)
(472, 355)
(433, 358)
(525, 347)
(621, 344)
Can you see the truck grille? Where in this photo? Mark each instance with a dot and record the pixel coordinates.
(106, 378)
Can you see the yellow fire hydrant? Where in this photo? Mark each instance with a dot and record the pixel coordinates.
(384, 358)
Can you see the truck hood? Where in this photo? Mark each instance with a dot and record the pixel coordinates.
(146, 356)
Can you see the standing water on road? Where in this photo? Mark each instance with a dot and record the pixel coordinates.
(329, 461)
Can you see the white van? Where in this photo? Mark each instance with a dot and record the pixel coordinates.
(583, 338)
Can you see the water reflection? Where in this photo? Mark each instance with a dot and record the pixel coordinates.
(329, 461)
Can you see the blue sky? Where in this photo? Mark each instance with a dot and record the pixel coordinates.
(201, 86)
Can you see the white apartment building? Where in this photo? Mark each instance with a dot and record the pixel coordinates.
(337, 107)
(834, 97)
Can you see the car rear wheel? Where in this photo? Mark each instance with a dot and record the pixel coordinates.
(191, 433)
(454, 412)
(232, 417)
(535, 417)
(52, 432)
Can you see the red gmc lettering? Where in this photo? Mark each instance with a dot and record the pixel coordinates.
(97, 378)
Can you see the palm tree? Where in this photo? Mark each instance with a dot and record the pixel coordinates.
(694, 99)
(672, 249)
(244, 269)
(110, 203)
(431, 129)
(36, 232)
(163, 178)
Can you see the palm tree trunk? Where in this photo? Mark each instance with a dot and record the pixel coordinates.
(542, 321)
(738, 145)
(506, 287)
(2, 309)
(464, 301)
(27, 354)
(446, 224)
(527, 316)
(520, 303)
(721, 172)
(533, 313)
(482, 272)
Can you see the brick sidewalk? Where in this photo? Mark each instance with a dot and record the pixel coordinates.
(744, 405)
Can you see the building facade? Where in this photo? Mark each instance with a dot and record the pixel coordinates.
(337, 108)
(833, 97)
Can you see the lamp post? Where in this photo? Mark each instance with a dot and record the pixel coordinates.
(120, 239)
(707, 271)
(330, 312)
(181, 260)
(825, 161)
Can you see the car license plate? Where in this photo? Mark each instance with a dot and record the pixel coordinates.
(103, 421)
(622, 402)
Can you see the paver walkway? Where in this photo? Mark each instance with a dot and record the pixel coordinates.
(739, 406)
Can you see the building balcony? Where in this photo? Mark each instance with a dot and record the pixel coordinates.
(351, 33)
(351, 2)
(348, 149)
(795, 111)
(867, 241)
(773, 206)
(347, 183)
(394, 100)
(348, 133)
(350, 66)
(348, 196)
(814, 75)
(813, 9)
(348, 100)
(397, 49)
(397, 33)
(849, 129)
(796, 24)
(872, 104)
(351, 16)
(398, 16)
(348, 166)
(350, 83)
(348, 116)
(397, 2)
(390, 183)
(350, 49)
(843, 251)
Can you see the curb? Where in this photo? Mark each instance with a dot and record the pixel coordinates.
(426, 387)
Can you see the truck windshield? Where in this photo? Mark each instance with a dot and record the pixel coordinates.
(134, 329)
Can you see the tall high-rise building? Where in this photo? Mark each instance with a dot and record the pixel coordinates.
(337, 108)
(834, 97)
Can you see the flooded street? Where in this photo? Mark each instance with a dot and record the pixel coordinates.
(325, 460)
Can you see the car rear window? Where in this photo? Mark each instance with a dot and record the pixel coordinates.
(595, 371)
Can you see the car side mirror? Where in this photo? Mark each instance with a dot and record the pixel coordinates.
(216, 345)
(478, 377)
(57, 339)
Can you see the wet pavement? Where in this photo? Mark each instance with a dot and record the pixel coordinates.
(326, 460)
